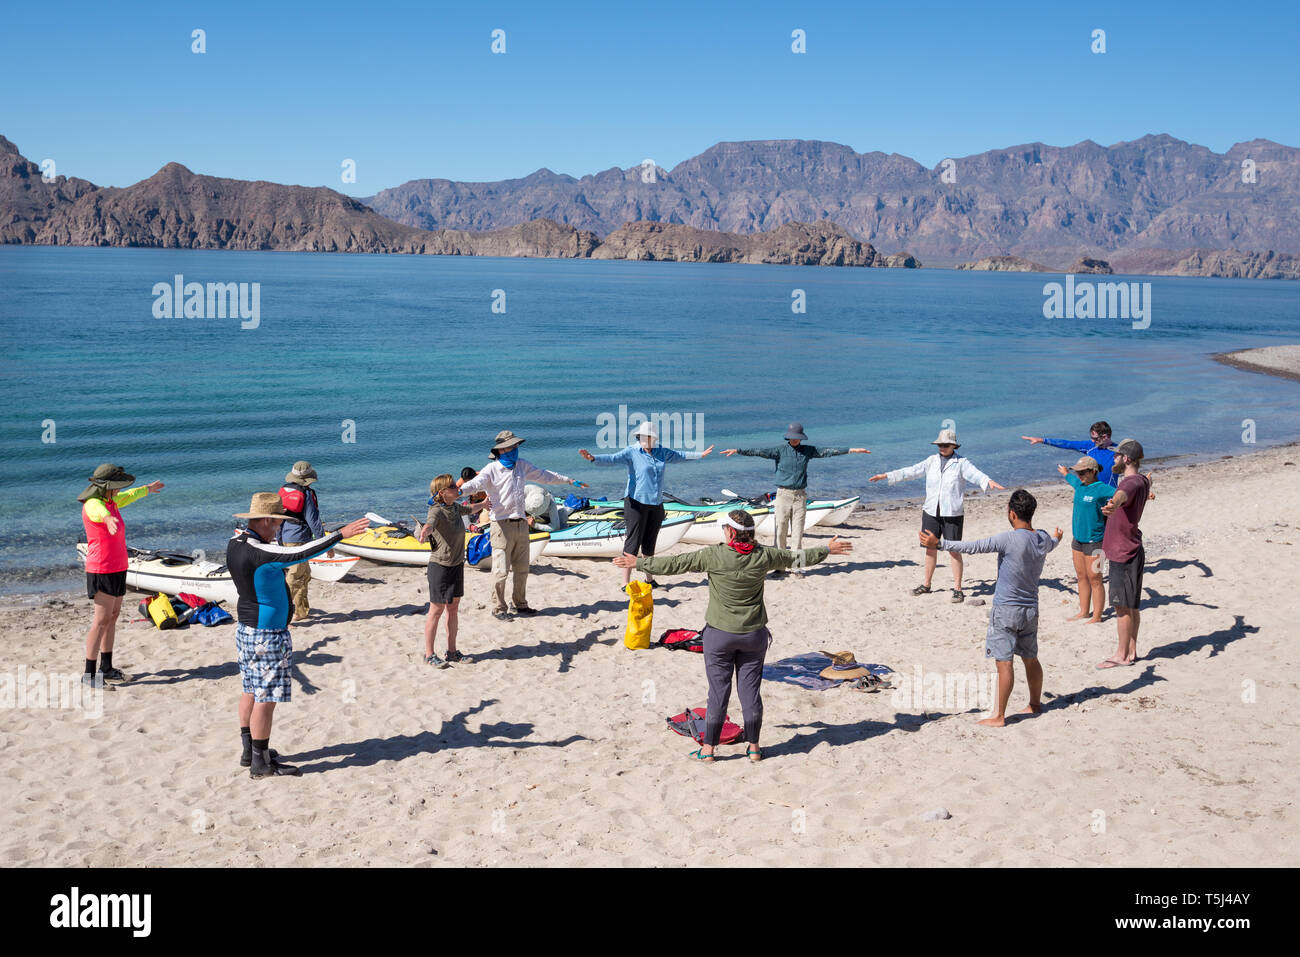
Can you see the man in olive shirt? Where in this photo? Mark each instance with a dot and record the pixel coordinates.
(792, 479)
(735, 637)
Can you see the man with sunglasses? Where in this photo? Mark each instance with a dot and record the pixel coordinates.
(1099, 447)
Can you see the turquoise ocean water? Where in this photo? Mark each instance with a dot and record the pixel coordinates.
(409, 350)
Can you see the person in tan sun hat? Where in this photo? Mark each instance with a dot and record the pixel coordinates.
(946, 474)
(264, 650)
(107, 560)
(302, 525)
(1087, 525)
(504, 479)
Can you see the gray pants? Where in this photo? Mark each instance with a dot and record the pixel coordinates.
(725, 653)
(790, 506)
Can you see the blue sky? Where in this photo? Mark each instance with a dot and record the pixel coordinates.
(286, 92)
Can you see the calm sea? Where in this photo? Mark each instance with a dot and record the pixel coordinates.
(405, 355)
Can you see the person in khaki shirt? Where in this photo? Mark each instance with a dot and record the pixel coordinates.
(445, 533)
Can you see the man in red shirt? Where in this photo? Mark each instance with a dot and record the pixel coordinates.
(1122, 543)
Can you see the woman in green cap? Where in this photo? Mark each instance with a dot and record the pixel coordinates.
(106, 560)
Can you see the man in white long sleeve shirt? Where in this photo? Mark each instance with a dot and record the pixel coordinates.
(944, 512)
(503, 479)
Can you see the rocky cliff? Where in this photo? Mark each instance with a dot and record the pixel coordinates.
(794, 244)
(1004, 264)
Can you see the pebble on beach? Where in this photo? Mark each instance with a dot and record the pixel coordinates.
(938, 814)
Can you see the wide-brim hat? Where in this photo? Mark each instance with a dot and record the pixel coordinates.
(1086, 463)
(506, 440)
(796, 432)
(107, 476)
(947, 437)
(302, 473)
(264, 505)
(843, 666)
(646, 428)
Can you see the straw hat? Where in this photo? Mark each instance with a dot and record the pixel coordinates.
(302, 473)
(843, 666)
(506, 440)
(107, 476)
(264, 505)
(947, 437)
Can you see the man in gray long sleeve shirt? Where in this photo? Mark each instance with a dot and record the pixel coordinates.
(1013, 619)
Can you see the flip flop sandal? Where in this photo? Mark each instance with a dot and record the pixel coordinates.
(699, 755)
(749, 752)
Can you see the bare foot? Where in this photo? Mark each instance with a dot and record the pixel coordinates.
(1079, 617)
(1093, 621)
(1033, 709)
(994, 722)
(1110, 663)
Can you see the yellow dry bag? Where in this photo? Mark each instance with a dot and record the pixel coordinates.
(640, 615)
(162, 612)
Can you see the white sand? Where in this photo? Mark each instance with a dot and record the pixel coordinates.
(552, 749)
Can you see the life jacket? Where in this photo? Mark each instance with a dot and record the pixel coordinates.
(690, 724)
(294, 499)
(682, 639)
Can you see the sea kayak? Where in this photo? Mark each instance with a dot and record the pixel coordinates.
(396, 545)
(172, 573)
(604, 539)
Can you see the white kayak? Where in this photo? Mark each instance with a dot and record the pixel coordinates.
(172, 574)
(598, 539)
(831, 512)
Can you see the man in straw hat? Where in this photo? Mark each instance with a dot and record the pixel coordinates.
(643, 498)
(792, 479)
(944, 512)
(503, 479)
(265, 651)
(1013, 619)
(1122, 544)
(301, 526)
(107, 560)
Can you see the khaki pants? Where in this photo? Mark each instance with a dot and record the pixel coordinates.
(790, 508)
(510, 554)
(297, 577)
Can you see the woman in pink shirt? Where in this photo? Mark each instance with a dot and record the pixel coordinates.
(106, 560)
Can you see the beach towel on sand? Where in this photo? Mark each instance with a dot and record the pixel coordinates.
(804, 670)
(690, 724)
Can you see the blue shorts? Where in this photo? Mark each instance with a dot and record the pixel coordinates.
(265, 662)
(1013, 630)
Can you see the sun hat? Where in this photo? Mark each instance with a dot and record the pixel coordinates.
(646, 428)
(1085, 463)
(302, 473)
(796, 432)
(264, 505)
(107, 476)
(947, 437)
(506, 440)
(843, 666)
(1130, 449)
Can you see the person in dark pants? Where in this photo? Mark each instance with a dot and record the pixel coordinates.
(736, 635)
(303, 525)
(643, 508)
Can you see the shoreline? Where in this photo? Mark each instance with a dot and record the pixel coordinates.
(1280, 361)
(24, 600)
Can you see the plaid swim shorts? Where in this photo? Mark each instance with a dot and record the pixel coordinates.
(265, 662)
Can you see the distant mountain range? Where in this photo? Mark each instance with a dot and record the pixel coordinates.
(1046, 203)
(1157, 204)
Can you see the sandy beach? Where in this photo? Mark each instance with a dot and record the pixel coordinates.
(551, 749)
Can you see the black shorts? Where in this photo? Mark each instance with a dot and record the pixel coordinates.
(446, 582)
(112, 584)
(643, 523)
(1088, 548)
(1126, 581)
(949, 528)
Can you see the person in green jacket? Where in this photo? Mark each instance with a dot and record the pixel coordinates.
(1087, 526)
(735, 634)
